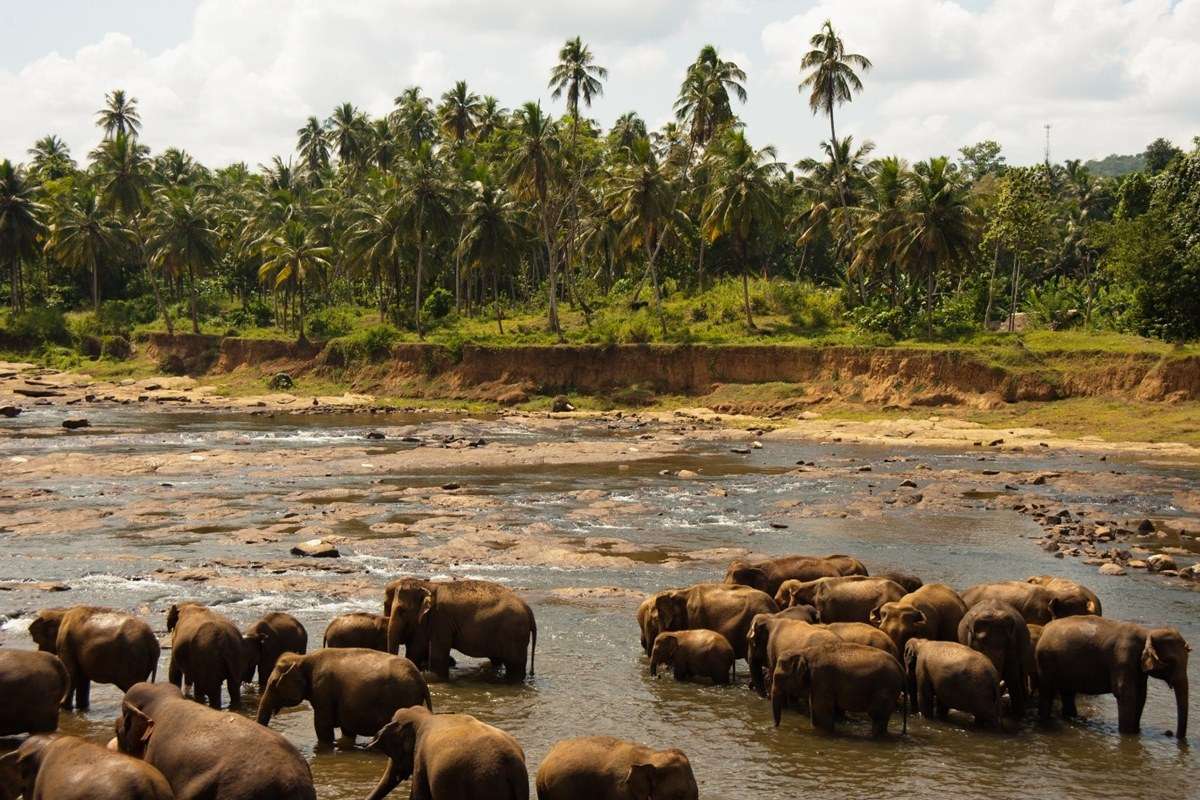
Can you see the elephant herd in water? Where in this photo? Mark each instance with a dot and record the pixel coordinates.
(816, 632)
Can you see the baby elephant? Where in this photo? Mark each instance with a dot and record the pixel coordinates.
(604, 768)
(949, 675)
(840, 677)
(32, 685)
(206, 651)
(354, 689)
(70, 768)
(358, 629)
(694, 653)
(449, 756)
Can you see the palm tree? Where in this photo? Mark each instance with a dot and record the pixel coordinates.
(175, 166)
(182, 239)
(939, 228)
(377, 236)
(383, 147)
(492, 235)
(743, 201)
(424, 197)
(831, 80)
(490, 118)
(459, 112)
(704, 101)
(119, 117)
(349, 134)
(294, 255)
(121, 166)
(626, 131)
(84, 236)
(881, 222)
(20, 225)
(413, 118)
(51, 159)
(312, 143)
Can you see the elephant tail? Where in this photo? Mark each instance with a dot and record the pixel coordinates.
(233, 666)
(533, 635)
(904, 714)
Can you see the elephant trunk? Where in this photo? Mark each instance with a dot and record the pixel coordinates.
(265, 709)
(654, 666)
(1180, 685)
(776, 703)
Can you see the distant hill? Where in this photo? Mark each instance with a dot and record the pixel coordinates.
(1115, 166)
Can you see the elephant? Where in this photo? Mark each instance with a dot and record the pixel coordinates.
(207, 754)
(931, 612)
(358, 629)
(950, 675)
(694, 653)
(1095, 655)
(647, 617)
(807, 614)
(910, 582)
(354, 689)
(718, 607)
(206, 651)
(604, 768)
(70, 768)
(477, 618)
(772, 634)
(840, 677)
(450, 757)
(33, 685)
(766, 576)
(266, 640)
(999, 631)
(1038, 603)
(97, 644)
(1031, 673)
(1070, 592)
(847, 599)
(862, 633)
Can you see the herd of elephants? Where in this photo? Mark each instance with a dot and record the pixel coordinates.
(818, 633)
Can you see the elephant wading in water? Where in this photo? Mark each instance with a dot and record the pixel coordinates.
(206, 651)
(846, 599)
(70, 768)
(931, 612)
(840, 677)
(999, 631)
(1037, 603)
(862, 633)
(358, 629)
(269, 638)
(207, 754)
(449, 757)
(97, 644)
(694, 653)
(353, 689)
(477, 618)
(948, 675)
(604, 768)
(768, 575)
(32, 685)
(1095, 655)
(719, 607)
(773, 634)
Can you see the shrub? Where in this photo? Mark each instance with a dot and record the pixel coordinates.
(437, 304)
(116, 348)
(332, 322)
(369, 344)
(254, 314)
(39, 326)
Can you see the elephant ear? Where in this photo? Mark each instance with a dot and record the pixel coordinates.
(640, 781)
(135, 732)
(172, 617)
(398, 740)
(426, 608)
(1091, 607)
(1150, 659)
(876, 616)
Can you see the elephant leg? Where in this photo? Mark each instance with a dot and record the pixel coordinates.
(213, 693)
(175, 673)
(1069, 711)
(943, 710)
(1046, 697)
(1131, 700)
(879, 723)
(925, 699)
(235, 692)
(1014, 677)
(83, 692)
(324, 723)
(681, 672)
(514, 670)
(822, 712)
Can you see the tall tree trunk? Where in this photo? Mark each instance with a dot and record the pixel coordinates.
(420, 271)
(658, 309)
(95, 286)
(14, 279)
(301, 339)
(158, 301)
(496, 301)
(700, 264)
(930, 286)
(987, 313)
(552, 273)
(192, 293)
(741, 250)
(1012, 308)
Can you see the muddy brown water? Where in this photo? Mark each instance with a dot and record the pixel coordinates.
(591, 676)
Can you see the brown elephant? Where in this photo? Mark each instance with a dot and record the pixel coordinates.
(97, 644)
(910, 582)
(769, 574)
(947, 675)
(354, 689)
(266, 640)
(206, 754)
(719, 607)
(477, 618)
(33, 685)
(206, 651)
(450, 757)
(931, 612)
(70, 768)
(773, 634)
(648, 625)
(1031, 673)
(694, 653)
(862, 633)
(847, 599)
(1037, 603)
(999, 631)
(358, 629)
(807, 614)
(1095, 655)
(840, 677)
(604, 768)
(1070, 593)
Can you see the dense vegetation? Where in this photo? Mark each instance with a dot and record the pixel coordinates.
(461, 216)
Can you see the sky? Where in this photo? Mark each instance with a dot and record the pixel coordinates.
(232, 80)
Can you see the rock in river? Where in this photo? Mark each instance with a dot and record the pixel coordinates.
(75, 424)
(1111, 569)
(10, 411)
(315, 548)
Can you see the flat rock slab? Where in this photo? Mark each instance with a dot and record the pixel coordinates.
(315, 548)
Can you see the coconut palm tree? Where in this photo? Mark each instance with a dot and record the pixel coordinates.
(743, 201)
(175, 166)
(832, 79)
(182, 239)
(626, 131)
(459, 112)
(21, 224)
(413, 118)
(425, 199)
(880, 220)
(705, 96)
(490, 118)
(383, 147)
(119, 117)
(122, 173)
(492, 235)
(294, 256)
(312, 144)
(85, 236)
(51, 159)
(349, 134)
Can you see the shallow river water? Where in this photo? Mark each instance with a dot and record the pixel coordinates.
(591, 676)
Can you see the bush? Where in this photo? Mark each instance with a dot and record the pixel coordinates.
(370, 344)
(255, 314)
(332, 322)
(116, 348)
(437, 304)
(118, 317)
(39, 326)
(1057, 304)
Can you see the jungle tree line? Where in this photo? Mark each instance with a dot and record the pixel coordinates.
(500, 207)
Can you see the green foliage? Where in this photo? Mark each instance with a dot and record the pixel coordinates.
(369, 344)
(437, 304)
(1115, 166)
(38, 326)
(332, 322)
(1133, 196)
(1159, 155)
(254, 314)
(982, 159)
(1058, 303)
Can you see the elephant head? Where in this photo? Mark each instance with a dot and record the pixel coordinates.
(901, 622)
(11, 785)
(671, 608)
(134, 730)
(252, 650)
(792, 677)
(1071, 602)
(666, 775)
(665, 647)
(412, 605)
(742, 573)
(28, 759)
(757, 639)
(648, 622)
(995, 634)
(1165, 656)
(788, 594)
(44, 629)
(287, 686)
(398, 741)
